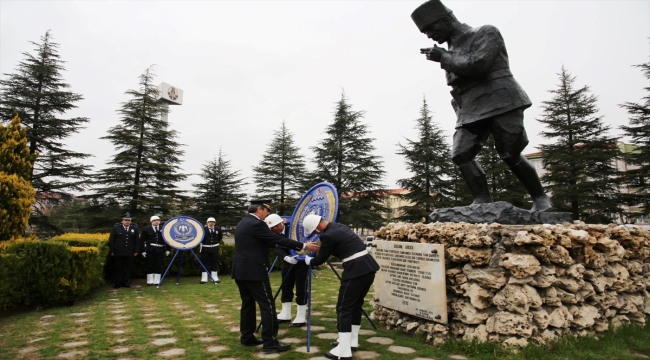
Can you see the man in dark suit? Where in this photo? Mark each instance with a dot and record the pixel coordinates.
(210, 251)
(359, 268)
(124, 246)
(154, 250)
(486, 97)
(253, 241)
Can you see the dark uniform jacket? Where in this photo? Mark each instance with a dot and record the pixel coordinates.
(253, 241)
(211, 239)
(122, 243)
(478, 71)
(149, 236)
(340, 241)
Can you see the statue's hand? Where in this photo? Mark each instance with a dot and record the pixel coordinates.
(425, 50)
(435, 54)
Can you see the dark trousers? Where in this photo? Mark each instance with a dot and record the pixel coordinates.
(298, 277)
(122, 274)
(210, 258)
(155, 258)
(350, 303)
(259, 292)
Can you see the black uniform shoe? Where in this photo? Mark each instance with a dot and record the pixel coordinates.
(297, 324)
(254, 342)
(336, 343)
(329, 355)
(276, 348)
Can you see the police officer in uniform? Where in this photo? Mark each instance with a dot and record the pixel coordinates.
(486, 97)
(124, 245)
(210, 251)
(253, 241)
(359, 268)
(294, 272)
(154, 250)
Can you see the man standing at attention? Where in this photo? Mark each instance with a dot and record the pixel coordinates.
(210, 251)
(124, 246)
(253, 241)
(154, 250)
(486, 97)
(359, 268)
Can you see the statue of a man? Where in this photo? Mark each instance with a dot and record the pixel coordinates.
(486, 97)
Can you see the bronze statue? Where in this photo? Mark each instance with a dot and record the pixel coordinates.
(486, 97)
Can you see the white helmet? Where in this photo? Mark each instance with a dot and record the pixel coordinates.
(311, 222)
(151, 219)
(211, 219)
(273, 220)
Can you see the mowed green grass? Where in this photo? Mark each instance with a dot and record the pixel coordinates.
(204, 318)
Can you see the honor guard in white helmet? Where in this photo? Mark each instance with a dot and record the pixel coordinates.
(359, 268)
(154, 249)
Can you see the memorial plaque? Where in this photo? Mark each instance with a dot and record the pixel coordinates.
(412, 278)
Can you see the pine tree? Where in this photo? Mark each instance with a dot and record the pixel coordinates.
(279, 174)
(142, 176)
(504, 186)
(580, 164)
(429, 160)
(220, 194)
(16, 193)
(39, 95)
(638, 179)
(344, 158)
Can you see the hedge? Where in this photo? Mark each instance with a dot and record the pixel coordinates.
(70, 266)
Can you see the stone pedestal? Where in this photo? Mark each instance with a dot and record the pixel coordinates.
(497, 212)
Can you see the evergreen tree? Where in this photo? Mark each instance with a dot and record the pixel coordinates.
(638, 180)
(580, 164)
(279, 174)
(220, 194)
(16, 193)
(344, 158)
(504, 186)
(39, 95)
(429, 160)
(142, 176)
(460, 194)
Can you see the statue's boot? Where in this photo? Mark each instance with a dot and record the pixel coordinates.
(525, 172)
(475, 179)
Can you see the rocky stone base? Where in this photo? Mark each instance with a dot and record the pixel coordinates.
(515, 284)
(501, 212)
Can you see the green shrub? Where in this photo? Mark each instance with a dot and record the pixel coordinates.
(85, 269)
(41, 271)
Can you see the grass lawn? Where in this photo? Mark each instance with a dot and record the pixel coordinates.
(197, 321)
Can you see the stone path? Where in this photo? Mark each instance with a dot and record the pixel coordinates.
(129, 318)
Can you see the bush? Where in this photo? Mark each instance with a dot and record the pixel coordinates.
(39, 274)
(100, 265)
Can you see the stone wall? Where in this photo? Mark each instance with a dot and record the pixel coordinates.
(515, 284)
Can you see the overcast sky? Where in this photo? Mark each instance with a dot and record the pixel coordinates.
(245, 66)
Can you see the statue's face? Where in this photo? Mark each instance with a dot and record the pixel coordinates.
(439, 31)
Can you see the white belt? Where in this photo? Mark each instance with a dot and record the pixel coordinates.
(159, 245)
(210, 245)
(354, 256)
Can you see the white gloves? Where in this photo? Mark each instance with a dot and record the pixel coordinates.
(167, 253)
(144, 254)
(291, 260)
(308, 260)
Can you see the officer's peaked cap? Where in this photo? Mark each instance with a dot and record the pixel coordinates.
(263, 202)
(428, 13)
(126, 216)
